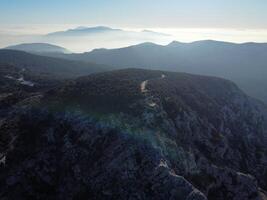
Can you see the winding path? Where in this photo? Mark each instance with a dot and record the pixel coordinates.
(21, 80)
(143, 86)
(144, 90)
(144, 83)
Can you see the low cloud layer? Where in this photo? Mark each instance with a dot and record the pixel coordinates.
(27, 34)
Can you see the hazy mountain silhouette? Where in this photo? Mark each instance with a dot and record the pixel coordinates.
(87, 31)
(245, 64)
(38, 48)
(79, 31)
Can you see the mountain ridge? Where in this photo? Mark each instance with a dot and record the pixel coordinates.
(82, 31)
(242, 63)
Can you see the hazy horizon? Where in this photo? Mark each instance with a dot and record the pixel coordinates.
(233, 21)
(17, 34)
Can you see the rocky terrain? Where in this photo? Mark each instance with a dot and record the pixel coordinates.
(134, 134)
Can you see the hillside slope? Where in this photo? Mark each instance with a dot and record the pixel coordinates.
(136, 134)
(14, 79)
(49, 66)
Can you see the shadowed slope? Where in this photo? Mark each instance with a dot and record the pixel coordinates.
(103, 137)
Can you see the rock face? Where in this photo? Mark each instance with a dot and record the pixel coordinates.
(110, 136)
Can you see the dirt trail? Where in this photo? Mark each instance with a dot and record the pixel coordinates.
(144, 90)
(144, 83)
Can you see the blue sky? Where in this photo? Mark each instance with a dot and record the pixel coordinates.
(239, 14)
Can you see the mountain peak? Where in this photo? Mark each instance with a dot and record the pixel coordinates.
(174, 43)
(146, 44)
(82, 30)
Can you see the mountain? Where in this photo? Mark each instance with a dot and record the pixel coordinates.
(87, 31)
(80, 31)
(49, 66)
(38, 48)
(135, 134)
(245, 64)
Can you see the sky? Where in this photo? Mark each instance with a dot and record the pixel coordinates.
(138, 13)
(188, 20)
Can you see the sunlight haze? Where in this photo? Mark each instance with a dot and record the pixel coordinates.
(185, 21)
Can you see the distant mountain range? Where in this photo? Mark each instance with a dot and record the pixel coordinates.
(87, 31)
(38, 48)
(245, 64)
(83, 39)
(79, 31)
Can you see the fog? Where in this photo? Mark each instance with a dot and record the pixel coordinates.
(88, 42)
(105, 40)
